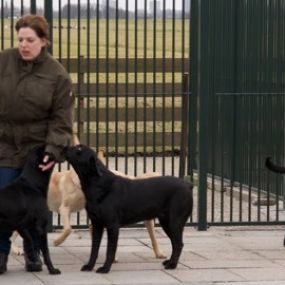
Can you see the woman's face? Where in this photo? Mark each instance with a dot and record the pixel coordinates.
(29, 44)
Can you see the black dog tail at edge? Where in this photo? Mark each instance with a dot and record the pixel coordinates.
(275, 168)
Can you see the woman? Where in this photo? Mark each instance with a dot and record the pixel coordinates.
(36, 106)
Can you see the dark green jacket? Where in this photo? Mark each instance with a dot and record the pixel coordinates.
(36, 106)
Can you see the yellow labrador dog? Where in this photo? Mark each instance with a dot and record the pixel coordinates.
(65, 197)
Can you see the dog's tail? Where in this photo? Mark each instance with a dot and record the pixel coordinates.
(75, 139)
(275, 168)
(101, 156)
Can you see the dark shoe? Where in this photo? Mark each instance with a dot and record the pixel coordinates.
(33, 265)
(3, 262)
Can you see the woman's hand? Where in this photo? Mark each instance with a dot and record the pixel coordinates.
(48, 162)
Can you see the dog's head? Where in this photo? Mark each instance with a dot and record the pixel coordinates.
(31, 170)
(35, 157)
(84, 161)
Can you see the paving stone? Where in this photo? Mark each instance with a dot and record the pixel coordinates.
(226, 255)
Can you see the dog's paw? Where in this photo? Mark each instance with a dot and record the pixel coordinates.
(160, 255)
(168, 264)
(103, 269)
(57, 242)
(86, 267)
(54, 271)
(165, 262)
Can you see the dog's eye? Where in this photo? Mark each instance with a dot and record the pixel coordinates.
(78, 151)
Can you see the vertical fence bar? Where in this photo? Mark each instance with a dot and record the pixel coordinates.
(88, 43)
(212, 144)
(184, 127)
(154, 86)
(49, 18)
(117, 85)
(80, 82)
(80, 76)
(192, 144)
(127, 86)
(107, 79)
(173, 84)
(145, 86)
(12, 23)
(136, 88)
(163, 83)
(59, 51)
(234, 102)
(222, 167)
(203, 99)
(97, 69)
(2, 25)
(33, 6)
(68, 35)
(281, 35)
(184, 89)
(59, 24)
(88, 105)
(48, 8)
(183, 44)
(22, 8)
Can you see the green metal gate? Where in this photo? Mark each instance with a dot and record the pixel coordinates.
(237, 83)
(129, 61)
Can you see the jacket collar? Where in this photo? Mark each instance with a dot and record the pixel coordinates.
(42, 56)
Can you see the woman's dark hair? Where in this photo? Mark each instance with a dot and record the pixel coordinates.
(37, 23)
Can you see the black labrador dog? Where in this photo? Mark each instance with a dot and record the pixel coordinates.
(113, 201)
(273, 167)
(23, 205)
(277, 169)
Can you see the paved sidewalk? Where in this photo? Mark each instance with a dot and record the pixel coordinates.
(228, 255)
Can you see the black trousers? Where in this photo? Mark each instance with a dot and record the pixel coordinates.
(7, 176)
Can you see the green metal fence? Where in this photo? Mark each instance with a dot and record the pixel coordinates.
(129, 62)
(237, 81)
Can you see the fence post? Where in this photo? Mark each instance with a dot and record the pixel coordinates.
(48, 16)
(33, 7)
(202, 107)
(80, 103)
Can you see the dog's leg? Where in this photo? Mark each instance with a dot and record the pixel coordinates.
(90, 231)
(97, 233)
(150, 228)
(65, 214)
(15, 249)
(174, 232)
(46, 254)
(113, 235)
(29, 240)
(177, 245)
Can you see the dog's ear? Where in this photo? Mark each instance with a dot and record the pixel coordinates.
(95, 166)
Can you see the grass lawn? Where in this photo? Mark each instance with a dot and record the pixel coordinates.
(133, 39)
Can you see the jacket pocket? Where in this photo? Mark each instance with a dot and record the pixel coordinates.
(6, 89)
